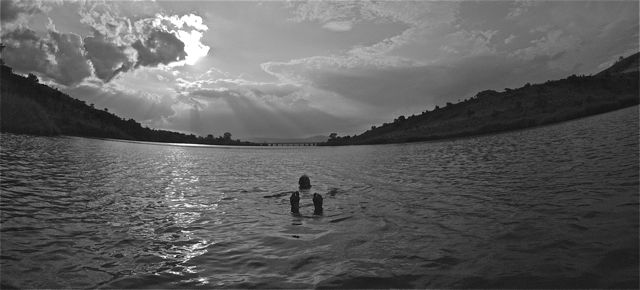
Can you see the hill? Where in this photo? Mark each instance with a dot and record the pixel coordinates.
(622, 66)
(28, 107)
(531, 105)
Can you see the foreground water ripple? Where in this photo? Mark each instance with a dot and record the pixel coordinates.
(551, 207)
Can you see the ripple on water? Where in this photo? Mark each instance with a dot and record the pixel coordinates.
(551, 207)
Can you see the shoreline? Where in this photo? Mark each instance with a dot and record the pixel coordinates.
(472, 134)
(260, 146)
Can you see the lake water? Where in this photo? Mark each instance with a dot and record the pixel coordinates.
(549, 207)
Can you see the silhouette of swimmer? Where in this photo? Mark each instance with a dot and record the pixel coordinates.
(304, 182)
(317, 204)
(295, 203)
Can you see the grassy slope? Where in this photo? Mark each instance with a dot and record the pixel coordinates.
(528, 106)
(27, 107)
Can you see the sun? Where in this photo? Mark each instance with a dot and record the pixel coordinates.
(189, 30)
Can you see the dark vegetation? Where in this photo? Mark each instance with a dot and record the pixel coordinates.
(531, 105)
(28, 107)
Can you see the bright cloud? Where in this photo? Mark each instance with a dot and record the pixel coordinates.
(338, 25)
(193, 46)
(189, 29)
(186, 21)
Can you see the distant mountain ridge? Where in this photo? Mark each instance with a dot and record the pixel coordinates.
(531, 105)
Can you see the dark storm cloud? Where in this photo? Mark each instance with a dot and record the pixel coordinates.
(108, 59)
(58, 56)
(151, 49)
(118, 44)
(25, 51)
(159, 47)
(71, 65)
(67, 58)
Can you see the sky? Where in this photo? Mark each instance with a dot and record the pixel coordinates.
(298, 69)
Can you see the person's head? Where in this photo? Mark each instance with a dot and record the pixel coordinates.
(304, 182)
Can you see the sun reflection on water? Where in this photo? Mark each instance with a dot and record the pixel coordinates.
(187, 207)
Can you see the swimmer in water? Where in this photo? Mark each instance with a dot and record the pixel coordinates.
(304, 183)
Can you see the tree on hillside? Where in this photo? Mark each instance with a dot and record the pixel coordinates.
(227, 136)
(32, 78)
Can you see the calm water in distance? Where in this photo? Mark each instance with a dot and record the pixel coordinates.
(550, 207)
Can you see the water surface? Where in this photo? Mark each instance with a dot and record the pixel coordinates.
(550, 207)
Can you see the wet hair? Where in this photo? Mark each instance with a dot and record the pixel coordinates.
(304, 182)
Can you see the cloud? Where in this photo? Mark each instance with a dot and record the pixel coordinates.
(242, 86)
(467, 56)
(58, 56)
(257, 116)
(149, 109)
(520, 7)
(25, 51)
(552, 45)
(257, 109)
(71, 67)
(106, 20)
(323, 11)
(381, 93)
(159, 47)
(414, 13)
(184, 21)
(193, 47)
(338, 26)
(160, 39)
(420, 17)
(188, 29)
(108, 58)
(469, 43)
(445, 51)
(11, 11)
(119, 43)
(509, 39)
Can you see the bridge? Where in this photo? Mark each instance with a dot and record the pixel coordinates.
(291, 144)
